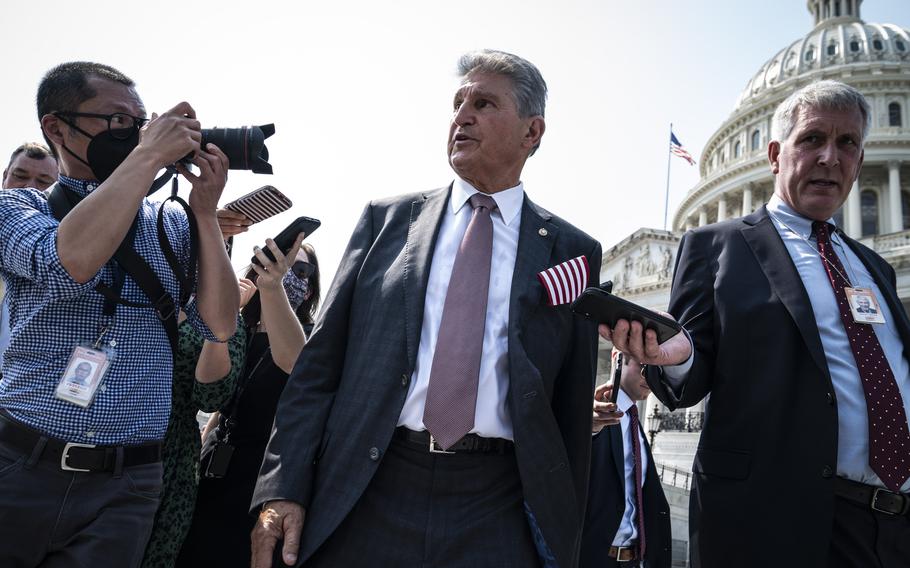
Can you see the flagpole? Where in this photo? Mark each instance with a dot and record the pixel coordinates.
(667, 193)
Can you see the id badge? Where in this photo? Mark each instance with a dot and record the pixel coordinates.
(864, 305)
(83, 375)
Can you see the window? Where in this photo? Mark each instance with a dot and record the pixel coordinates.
(894, 114)
(854, 45)
(905, 208)
(837, 8)
(877, 44)
(869, 212)
(756, 140)
(810, 54)
(901, 46)
(832, 49)
(737, 150)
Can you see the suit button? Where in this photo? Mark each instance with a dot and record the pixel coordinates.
(830, 399)
(375, 453)
(827, 471)
(405, 379)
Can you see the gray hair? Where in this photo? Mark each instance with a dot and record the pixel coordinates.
(822, 95)
(528, 86)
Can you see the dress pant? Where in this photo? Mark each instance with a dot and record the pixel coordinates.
(863, 538)
(51, 518)
(425, 510)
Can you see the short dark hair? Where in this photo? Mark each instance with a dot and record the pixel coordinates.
(33, 150)
(65, 87)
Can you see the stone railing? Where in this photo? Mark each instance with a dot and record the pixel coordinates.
(891, 241)
(674, 476)
(682, 422)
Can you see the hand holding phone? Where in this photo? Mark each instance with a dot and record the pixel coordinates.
(288, 235)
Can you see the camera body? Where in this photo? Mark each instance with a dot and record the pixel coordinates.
(244, 146)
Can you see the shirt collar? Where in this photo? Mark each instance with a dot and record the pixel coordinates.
(507, 201)
(623, 401)
(81, 186)
(791, 219)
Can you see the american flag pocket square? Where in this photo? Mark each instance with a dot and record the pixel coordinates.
(565, 281)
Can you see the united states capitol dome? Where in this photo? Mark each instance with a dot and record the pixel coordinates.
(874, 58)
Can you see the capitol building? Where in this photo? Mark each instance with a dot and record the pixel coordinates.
(735, 179)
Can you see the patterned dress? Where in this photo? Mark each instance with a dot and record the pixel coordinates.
(180, 454)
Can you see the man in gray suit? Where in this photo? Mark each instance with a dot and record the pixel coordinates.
(440, 414)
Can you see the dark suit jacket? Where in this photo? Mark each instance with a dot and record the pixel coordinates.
(343, 399)
(763, 486)
(607, 502)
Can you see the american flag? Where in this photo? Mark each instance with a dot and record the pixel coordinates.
(565, 281)
(677, 148)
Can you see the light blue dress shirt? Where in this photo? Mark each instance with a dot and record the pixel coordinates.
(853, 422)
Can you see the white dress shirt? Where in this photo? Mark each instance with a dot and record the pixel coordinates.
(628, 526)
(491, 417)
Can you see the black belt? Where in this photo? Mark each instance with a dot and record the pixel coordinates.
(470, 444)
(72, 456)
(876, 498)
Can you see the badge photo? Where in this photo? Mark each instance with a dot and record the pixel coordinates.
(864, 305)
(82, 376)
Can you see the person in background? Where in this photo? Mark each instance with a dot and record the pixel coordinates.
(620, 529)
(278, 319)
(31, 165)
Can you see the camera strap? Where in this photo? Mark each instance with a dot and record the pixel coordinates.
(62, 200)
(186, 279)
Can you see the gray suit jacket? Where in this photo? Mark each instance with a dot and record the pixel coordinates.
(341, 404)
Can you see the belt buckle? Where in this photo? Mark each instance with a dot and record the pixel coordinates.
(435, 449)
(880, 510)
(619, 550)
(66, 454)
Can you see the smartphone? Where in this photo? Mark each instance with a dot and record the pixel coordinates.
(286, 237)
(617, 377)
(603, 307)
(260, 204)
(219, 461)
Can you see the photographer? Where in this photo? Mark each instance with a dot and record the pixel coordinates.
(81, 467)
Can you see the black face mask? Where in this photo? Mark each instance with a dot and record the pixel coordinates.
(105, 152)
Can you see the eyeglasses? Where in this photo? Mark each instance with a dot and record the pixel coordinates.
(119, 124)
(303, 269)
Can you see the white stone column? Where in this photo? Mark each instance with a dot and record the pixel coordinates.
(689, 225)
(722, 209)
(894, 197)
(747, 200)
(853, 214)
(702, 216)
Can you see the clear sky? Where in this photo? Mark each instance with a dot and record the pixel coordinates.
(360, 90)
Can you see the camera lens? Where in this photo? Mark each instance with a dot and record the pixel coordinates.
(244, 146)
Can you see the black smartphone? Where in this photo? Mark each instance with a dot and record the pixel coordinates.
(603, 307)
(286, 237)
(617, 377)
(219, 461)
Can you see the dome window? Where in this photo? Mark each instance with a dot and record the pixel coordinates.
(869, 212)
(756, 140)
(877, 44)
(810, 54)
(894, 116)
(738, 151)
(854, 45)
(901, 46)
(832, 49)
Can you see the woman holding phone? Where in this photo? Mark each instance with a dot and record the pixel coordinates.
(282, 298)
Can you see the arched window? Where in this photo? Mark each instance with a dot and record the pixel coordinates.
(877, 44)
(854, 45)
(905, 208)
(737, 149)
(894, 114)
(832, 49)
(810, 54)
(756, 140)
(869, 212)
(900, 45)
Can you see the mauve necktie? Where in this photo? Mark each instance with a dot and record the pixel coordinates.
(452, 391)
(889, 437)
(634, 428)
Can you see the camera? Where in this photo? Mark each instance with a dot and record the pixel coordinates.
(244, 146)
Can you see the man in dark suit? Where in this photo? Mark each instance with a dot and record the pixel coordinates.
(803, 460)
(615, 522)
(378, 397)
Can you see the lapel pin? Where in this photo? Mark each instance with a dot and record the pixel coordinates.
(542, 232)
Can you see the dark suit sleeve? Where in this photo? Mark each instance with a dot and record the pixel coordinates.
(692, 304)
(575, 392)
(288, 465)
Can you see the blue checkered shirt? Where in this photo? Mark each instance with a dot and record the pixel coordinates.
(50, 314)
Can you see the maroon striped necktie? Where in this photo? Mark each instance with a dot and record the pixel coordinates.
(634, 428)
(889, 437)
(454, 375)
